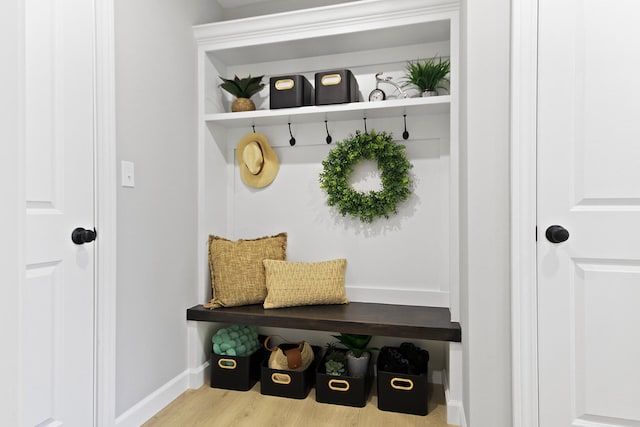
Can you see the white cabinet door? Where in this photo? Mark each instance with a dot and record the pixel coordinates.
(589, 183)
(58, 298)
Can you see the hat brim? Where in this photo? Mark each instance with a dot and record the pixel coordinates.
(270, 165)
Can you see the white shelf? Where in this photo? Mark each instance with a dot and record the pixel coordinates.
(341, 112)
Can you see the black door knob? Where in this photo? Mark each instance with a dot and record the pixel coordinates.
(80, 236)
(557, 234)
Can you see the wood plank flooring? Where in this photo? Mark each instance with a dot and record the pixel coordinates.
(208, 406)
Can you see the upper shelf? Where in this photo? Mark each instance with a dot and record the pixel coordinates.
(348, 27)
(352, 111)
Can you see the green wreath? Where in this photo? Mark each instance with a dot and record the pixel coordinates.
(393, 165)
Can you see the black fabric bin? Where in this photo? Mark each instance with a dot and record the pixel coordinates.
(290, 91)
(285, 383)
(336, 87)
(343, 390)
(236, 372)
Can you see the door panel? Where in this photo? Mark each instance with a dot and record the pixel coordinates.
(588, 175)
(58, 296)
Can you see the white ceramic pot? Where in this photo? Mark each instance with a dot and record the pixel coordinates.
(358, 366)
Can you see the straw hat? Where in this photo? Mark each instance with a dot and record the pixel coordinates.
(258, 162)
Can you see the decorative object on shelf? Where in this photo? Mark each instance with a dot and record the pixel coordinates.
(378, 94)
(336, 87)
(290, 91)
(358, 354)
(236, 340)
(258, 162)
(394, 167)
(243, 89)
(289, 355)
(428, 75)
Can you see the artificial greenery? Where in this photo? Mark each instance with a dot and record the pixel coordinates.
(427, 74)
(394, 167)
(356, 343)
(244, 87)
(333, 367)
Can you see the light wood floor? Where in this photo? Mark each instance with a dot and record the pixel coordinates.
(217, 407)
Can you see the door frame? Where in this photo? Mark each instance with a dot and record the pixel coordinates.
(524, 287)
(106, 215)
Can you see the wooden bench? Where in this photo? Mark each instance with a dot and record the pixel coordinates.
(391, 320)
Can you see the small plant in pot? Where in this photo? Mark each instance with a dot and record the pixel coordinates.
(358, 355)
(243, 89)
(335, 361)
(428, 75)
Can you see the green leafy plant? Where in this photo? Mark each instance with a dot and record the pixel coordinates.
(427, 75)
(355, 343)
(394, 167)
(244, 87)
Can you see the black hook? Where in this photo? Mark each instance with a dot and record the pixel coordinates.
(292, 141)
(365, 124)
(254, 128)
(405, 134)
(328, 139)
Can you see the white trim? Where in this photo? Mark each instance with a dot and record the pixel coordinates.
(321, 21)
(523, 212)
(455, 411)
(106, 181)
(142, 411)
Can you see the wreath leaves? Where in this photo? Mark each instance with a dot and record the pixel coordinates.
(392, 163)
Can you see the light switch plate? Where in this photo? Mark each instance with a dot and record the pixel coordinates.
(128, 174)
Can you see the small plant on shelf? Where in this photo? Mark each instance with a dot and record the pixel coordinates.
(428, 75)
(335, 361)
(243, 89)
(358, 355)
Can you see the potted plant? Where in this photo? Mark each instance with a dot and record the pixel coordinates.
(358, 355)
(243, 89)
(428, 75)
(335, 361)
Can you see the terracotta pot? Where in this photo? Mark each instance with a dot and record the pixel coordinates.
(243, 104)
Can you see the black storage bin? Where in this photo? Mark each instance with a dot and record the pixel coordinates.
(284, 383)
(290, 91)
(402, 379)
(343, 390)
(403, 393)
(336, 87)
(236, 372)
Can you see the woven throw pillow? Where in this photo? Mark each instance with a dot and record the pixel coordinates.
(291, 284)
(237, 272)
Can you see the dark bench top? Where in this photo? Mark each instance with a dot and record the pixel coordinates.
(391, 320)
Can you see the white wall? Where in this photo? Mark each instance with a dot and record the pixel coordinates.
(156, 129)
(485, 296)
(11, 210)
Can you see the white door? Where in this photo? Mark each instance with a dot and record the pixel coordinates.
(589, 183)
(58, 297)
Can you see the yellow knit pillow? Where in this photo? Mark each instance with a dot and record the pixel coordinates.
(291, 284)
(237, 272)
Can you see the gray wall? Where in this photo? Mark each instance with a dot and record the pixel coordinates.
(156, 129)
(485, 287)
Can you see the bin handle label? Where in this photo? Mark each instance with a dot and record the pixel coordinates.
(331, 79)
(227, 363)
(339, 385)
(402, 384)
(284, 84)
(280, 378)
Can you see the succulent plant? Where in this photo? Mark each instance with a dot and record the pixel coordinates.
(333, 367)
(244, 87)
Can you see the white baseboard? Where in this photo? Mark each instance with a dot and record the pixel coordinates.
(455, 410)
(198, 376)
